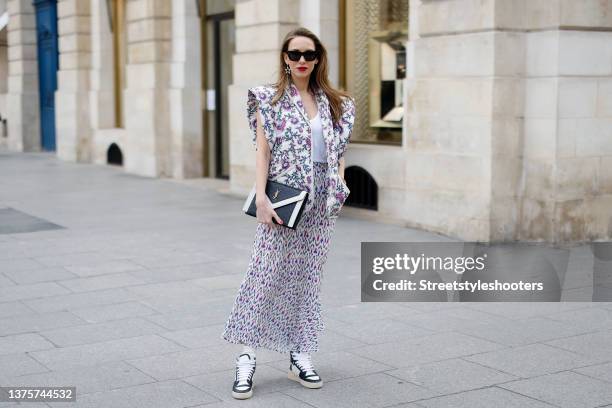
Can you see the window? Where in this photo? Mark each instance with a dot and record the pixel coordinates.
(374, 66)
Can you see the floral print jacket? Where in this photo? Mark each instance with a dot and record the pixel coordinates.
(287, 129)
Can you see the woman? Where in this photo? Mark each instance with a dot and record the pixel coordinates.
(300, 126)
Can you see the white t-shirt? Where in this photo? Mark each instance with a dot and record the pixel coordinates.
(318, 142)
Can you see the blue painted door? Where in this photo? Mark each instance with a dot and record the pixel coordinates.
(46, 34)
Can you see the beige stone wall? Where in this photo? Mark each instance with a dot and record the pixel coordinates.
(22, 99)
(509, 121)
(448, 146)
(186, 92)
(162, 133)
(260, 28)
(72, 108)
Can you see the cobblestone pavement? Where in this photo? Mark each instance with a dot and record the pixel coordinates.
(120, 285)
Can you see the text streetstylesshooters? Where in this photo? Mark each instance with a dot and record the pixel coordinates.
(459, 265)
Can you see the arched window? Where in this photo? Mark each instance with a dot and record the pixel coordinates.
(364, 189)
(114, 155)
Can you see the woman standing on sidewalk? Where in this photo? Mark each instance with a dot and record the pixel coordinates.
(301, 127)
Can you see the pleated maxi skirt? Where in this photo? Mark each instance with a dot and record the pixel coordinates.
(278, 305)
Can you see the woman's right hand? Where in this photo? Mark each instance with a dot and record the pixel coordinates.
(265, 212)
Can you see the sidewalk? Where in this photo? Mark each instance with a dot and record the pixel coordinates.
(120, 285)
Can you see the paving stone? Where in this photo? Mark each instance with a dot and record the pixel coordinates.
(526, 310)
(587, 319)
(180, 273)
(219, 383)
(104, 352)
(268, 400)
(32, 291)
(178, 259)
(105, 267)
(332, 341)
(362, 312)
(116, 280)
(601, 371)
(368, 391)
(189, 303)
(74, 259)
(19, 264)
(97, 314)
(197, 337)
(376, 331)
(18, 364)
(37, 322)
(20, 343)
(596, 345)
(220, 282)
(193, 362)
(103, 377)
(409, 352)
(523, 332)
(167, 394)
(41, 274)
(451, 376)
(532, 360)
(99, 332)
(14, 308)
(450, 319)
(566, 389)
(177, 313)
(24, 405)
(336, 365)
(185, 320)
(80, 300)
(168, 290)
(484, 398)
(4, 281)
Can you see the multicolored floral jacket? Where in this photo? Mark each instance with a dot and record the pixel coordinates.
(287, 128)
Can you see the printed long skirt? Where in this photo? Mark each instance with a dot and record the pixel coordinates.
(278, 306)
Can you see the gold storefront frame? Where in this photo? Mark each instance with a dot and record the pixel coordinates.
(362, 25)
(119, 58)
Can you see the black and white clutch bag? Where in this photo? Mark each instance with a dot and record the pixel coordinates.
(288, 202)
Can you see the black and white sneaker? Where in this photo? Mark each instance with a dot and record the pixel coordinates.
(302, 371)
(243, 384)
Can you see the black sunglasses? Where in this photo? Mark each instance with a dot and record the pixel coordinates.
(309, 55)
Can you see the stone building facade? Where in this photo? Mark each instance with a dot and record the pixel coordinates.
(486, 120)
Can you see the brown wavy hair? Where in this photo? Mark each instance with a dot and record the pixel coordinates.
(318, 78)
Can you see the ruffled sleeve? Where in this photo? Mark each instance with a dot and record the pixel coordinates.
(260, 97)
(346, 125)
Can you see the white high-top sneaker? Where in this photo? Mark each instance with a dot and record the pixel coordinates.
(302, 371)
(243, 384)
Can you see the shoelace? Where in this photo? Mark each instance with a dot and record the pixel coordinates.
(245, 368)
(304, 362)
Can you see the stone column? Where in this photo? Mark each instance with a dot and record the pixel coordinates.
(509, 120)
(448, 146)
(72, 109)
(566, 184)
(147, 96)
(321, 17)
(101, 95)
(186, 91)
(261, 26)
(23, 108)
